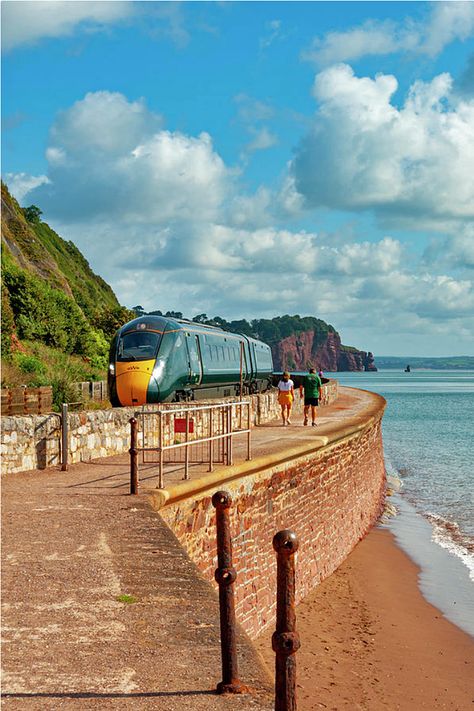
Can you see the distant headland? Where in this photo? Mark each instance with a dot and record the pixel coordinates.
(428, 363)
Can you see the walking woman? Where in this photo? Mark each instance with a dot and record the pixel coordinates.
(286, 395)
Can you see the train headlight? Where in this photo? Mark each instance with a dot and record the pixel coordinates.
(111, 369)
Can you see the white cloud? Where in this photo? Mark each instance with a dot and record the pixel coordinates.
(274, 32)
(365, 153)
(29, 21)
(454, 252)
(449, 21)
(251, 110)
(251, 211)
(263, 138)
(371, 38)
(446, 22)
(109, 158)
(20, 184)
(160, 209)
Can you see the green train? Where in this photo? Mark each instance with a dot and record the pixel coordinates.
(158, 359)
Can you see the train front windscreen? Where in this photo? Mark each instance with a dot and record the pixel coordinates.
(135, 361)
(138, 345)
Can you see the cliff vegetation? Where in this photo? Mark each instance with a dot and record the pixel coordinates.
(57, 315)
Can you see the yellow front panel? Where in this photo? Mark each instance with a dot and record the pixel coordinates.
(132, 381)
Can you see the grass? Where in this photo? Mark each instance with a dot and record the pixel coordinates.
(127, 599)
(37, 364)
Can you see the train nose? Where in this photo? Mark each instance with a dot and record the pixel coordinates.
(132, 381)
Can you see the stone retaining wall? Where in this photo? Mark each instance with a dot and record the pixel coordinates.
(330, 498)
(33, 442)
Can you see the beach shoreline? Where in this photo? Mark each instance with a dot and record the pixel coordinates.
(370, 640)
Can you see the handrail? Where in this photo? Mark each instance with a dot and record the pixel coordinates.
(224, 412)
(194, 408)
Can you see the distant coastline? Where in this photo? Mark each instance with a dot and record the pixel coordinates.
(446, 363)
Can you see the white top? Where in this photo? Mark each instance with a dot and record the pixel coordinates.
(286, 385)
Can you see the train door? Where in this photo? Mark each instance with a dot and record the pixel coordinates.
(253, 360)
(194, 358)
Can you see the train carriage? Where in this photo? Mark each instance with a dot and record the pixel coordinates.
(157, 359)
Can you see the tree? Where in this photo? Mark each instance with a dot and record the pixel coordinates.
(32, 213)
(110, 318)
(173, 314)
(200, 318)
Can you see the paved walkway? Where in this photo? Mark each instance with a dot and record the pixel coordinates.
(74, 543)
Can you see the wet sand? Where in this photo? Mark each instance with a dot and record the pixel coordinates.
(369, 639)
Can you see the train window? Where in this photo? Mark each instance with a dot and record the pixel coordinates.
(138, 345)
(210, 351)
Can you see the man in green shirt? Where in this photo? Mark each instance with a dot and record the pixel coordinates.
(311, 386)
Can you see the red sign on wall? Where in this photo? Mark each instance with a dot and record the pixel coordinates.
(180, 425)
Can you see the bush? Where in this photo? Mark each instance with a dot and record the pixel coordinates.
(29, 364)
(44, 313)
(8, 322)
(63, 390)
(96, 349)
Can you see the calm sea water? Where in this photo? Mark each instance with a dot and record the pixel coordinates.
(428, 431)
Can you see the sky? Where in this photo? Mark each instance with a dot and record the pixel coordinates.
(252, 159)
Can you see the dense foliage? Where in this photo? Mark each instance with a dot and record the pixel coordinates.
(51, 299)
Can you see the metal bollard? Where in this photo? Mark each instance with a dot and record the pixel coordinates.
(133, 456)
(285, 639)
(64, 436)
(225, 576)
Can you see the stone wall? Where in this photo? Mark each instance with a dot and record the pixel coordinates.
(34, 442)
(330, 498)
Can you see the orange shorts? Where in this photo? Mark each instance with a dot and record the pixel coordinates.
(285, 398)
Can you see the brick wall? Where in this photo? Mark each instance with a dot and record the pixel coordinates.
(330, 498)
(33, 442)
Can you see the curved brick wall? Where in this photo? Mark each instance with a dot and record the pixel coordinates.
(330, 497)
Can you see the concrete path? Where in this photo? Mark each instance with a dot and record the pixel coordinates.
(75, 543)
(69, 553)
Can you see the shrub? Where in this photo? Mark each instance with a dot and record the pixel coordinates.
(8, 321)
(29, 364)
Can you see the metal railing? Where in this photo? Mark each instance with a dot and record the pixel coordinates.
(190, 434)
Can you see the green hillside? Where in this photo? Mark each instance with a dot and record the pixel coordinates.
(57, 315)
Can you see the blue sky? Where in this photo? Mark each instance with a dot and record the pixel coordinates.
(254, 159)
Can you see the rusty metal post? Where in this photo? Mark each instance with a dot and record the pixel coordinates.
(160, 444)
(225, 576)
(211, 441)
(285, 639)
(241, 369)
(249, 433)
(224, 439)
(64, 436)
(186, 448)
(229, 439)
(133, 456)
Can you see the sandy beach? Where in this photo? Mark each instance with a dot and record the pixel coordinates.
(369, 639)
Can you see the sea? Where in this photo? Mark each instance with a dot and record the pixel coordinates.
(428, 434)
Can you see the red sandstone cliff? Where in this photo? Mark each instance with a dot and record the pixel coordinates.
(299, 351)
